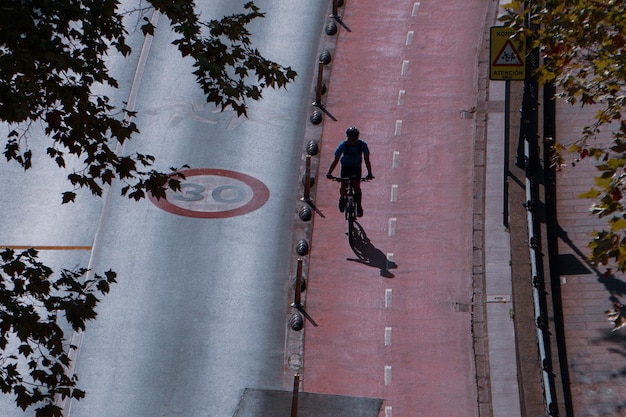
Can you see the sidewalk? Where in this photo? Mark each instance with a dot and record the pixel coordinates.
(595, 355)
(424, 321)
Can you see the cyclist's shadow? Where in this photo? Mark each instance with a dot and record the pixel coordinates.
(367, 253)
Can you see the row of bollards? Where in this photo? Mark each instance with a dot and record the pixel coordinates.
(305, 212)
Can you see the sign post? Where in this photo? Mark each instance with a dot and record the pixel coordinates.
(507, 61)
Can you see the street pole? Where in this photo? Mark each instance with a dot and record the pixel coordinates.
(505, 193)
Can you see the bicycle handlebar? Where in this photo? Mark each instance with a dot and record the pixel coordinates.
(339, 179)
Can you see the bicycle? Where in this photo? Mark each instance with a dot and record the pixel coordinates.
(350, 210)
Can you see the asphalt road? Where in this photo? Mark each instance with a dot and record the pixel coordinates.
(199, 312)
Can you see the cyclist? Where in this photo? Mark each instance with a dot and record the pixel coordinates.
(351, 152)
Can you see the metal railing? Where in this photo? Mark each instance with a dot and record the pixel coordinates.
(541, 322)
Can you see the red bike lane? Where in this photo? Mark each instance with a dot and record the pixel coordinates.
(393, 309)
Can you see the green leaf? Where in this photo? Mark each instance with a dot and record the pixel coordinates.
(593, 193)
(604, 182)
(617, 224)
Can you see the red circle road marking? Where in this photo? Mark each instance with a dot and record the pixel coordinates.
(214, 194)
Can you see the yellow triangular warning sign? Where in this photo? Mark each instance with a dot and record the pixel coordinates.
(508, 56)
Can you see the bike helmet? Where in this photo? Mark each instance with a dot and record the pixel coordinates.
(352, 133)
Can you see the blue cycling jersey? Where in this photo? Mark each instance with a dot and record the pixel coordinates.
(352, 155)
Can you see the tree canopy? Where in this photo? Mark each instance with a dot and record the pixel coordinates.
(34, 301)
(52, 62)
(53, 54)
(582, 44)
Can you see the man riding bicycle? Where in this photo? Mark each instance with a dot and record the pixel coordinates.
(351, 152)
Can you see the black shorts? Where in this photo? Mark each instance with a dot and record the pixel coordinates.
(351, 171)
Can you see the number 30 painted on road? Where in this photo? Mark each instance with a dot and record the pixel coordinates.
(221, 193)
(214, 193)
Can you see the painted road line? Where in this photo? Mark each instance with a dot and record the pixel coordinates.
(387, 336)
(409, 37)
(77, 336)
(398, 129)
(46, 247)
(416, 8)
(401, 97)
(405, 67)
(394, 193)
(388, 296)
(387, 374)
(392, 226)
(396, 159)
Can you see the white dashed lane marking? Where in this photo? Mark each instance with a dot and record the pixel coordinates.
(416, 8)
(409, 37)
(398, 130)
(401, 94)
(405, 67)
(388, 296)
(387, 336)
(392, 226)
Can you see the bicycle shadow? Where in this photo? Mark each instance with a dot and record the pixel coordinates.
(367, 253)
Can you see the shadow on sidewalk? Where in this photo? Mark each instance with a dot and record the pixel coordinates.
(572, 265)
(615, 286)
(367, 253)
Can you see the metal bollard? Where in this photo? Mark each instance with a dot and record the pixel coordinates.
(307, 180)
(305, 213)
(299, 284)
(325, 57)
(316, 117)
(294, 395)
(334, 14)
(302, 247)
(296, 322)
(312, 148)
(331, 28)
(318, 89)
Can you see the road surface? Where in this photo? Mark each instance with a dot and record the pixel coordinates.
(199, 312)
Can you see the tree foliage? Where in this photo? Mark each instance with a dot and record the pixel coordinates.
(583, 48)
(53, 56)
(52, 69)
(34, 356)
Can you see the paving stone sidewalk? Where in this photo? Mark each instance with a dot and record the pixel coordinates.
(596, 357)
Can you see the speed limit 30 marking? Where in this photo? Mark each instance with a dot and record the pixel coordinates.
(214, 193)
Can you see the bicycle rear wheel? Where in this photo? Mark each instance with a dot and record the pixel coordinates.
(351, 230)
(350, 209)
(350, 216)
